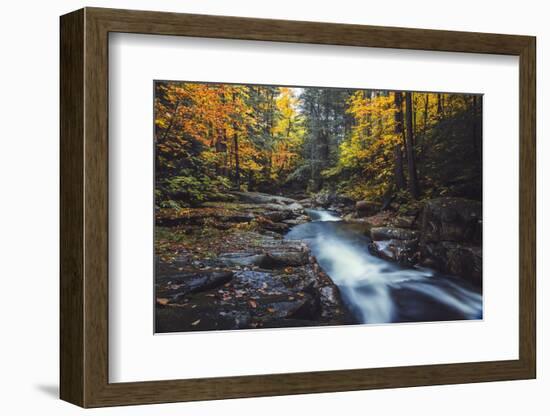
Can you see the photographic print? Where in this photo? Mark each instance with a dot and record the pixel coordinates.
(295, 206)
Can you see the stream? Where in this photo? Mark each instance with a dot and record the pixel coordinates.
(378, 291)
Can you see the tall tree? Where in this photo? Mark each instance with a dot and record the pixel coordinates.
(398, 154)
(411, 163)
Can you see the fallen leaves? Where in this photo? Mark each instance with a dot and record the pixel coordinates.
(162, 301)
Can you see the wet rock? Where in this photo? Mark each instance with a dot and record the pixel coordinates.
(377, 220)
(242, 259)
(456, 259)
(236, 218)
(295, 207)
(392, 233)
(199, 317)
(277, 227)
(350, 216)
(290, 323)
(219, 219)
(306, 202)
(302, 219)
(326, 199)
(262, 198)
(241, 319)
(277, 216)
(451, 235)
(451, 219)
(276, 259)
(265, 281)
(404, 252)
(303, 307)
(176, 286)
(366, 208)
(330, 295)
(404, 221)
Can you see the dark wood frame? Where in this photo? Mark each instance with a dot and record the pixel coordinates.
(84, 208)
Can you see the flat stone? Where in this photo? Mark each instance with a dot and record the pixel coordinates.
(178, 285)
(392, 233)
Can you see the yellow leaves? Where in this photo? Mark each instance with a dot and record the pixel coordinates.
(262, 123)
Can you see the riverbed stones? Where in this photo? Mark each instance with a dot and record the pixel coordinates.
(392, 233)
(404, 221)
(286, 258)
(278, 215)
(443, 233)
(404, 252)
(302, 219)
(178, 285)
(366, 208)
(242, 259)
(261, 279)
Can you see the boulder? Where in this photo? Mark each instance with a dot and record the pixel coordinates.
(261, 198)
(242, 259)
(302, 219)
(199, 317)
(277, 227)
(392, 233)
(277, 259)
(278, 216)
(451, 219)
(404, 221)
(456, 259)
(236, 218)
(299, 307)
(306, 202)
(451, 236)
(404, 252)
(326, 199)
(176, 286)
(366, 208)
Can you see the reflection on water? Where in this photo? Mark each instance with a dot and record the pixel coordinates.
(378, 291)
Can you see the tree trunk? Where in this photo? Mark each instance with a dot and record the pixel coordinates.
(476, 125)
(237, 167)
(411, 163)
(398, 155)
(426, 106)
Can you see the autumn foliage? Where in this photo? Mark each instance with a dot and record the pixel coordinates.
(366, 144)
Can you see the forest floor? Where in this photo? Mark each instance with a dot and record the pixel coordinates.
(227, 266)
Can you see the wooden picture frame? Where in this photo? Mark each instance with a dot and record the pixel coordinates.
(84, 207)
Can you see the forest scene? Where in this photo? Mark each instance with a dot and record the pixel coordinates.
(281, 206)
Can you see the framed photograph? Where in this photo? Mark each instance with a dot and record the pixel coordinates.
(256, 207)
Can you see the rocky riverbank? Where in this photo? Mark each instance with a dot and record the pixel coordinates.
(226, 266)
(441, 233)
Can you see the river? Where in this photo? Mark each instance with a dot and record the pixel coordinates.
(378, 291)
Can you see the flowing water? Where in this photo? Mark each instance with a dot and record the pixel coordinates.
(376, 290)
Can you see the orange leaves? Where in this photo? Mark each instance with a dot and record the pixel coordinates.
(220, 125)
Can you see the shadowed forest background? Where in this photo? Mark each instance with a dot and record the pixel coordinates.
(304, 206)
